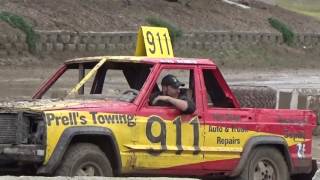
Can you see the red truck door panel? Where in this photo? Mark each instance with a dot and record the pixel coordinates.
(225, 124)
(172, 141)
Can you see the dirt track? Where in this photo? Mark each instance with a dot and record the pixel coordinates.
(279, 79)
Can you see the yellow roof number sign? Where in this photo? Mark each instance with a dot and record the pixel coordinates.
(154, 42)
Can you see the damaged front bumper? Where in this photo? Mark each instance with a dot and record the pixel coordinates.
(22, 136)
(22, 153)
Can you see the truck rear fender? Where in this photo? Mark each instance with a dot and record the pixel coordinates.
(102, 137)
(270, 141)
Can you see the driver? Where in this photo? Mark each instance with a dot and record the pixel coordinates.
(171, 95)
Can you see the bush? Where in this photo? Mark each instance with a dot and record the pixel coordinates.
(174, 31)
(287, 33)
(18, 22)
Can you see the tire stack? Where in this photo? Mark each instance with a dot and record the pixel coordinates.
(255, 96)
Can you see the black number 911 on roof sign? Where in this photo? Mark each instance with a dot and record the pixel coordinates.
(154, 42)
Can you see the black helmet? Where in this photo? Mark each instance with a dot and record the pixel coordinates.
(171, 80)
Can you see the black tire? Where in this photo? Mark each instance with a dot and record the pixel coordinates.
(255, 97)
(269, 159)
(84, 159)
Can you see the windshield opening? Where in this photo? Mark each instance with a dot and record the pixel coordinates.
(112, 80)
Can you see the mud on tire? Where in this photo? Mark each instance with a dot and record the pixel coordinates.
(84, 159)
(255, 97)
(265, 163)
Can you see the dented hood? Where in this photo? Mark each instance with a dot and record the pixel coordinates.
(69, 104)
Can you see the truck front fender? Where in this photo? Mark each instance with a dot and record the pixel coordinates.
(65, 141)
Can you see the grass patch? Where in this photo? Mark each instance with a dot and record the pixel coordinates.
(174, 31)
(306, 7)
(287, 33)
(18, 22)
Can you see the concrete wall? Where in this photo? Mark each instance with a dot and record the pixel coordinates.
(13, 45)
(58, 41)
(67, 41)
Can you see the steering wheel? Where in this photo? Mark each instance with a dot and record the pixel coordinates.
(133, 91)
(129, 95)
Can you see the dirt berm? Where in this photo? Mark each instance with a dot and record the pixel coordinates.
(124, 15)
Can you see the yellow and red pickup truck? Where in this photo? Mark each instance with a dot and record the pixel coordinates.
(100, 123)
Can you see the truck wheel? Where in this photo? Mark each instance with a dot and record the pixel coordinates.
(84, 159)
(265, 163)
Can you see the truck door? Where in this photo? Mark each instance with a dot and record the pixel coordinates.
(225, 123)
(168, 139)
